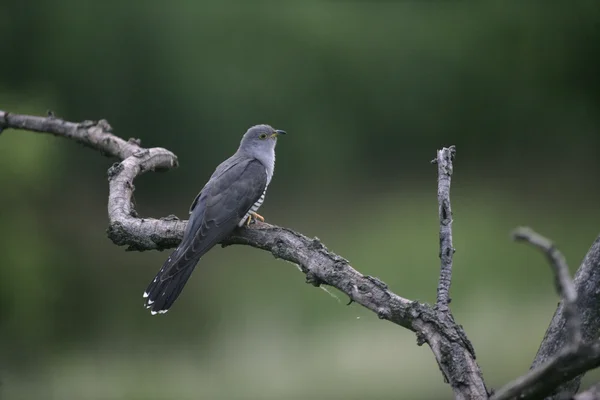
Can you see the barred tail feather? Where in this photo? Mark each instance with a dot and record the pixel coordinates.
(162, 293)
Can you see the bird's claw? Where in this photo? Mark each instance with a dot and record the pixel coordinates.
(254, 216)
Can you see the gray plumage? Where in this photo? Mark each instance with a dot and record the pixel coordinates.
(235, 190)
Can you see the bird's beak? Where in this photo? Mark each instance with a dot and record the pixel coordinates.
(277, 133)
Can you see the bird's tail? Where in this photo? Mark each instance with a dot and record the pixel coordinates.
(164, 290)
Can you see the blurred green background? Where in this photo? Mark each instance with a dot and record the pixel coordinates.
(367, 92)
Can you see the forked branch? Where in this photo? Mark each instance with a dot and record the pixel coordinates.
(451, 348)
(563, 282)
(576, 357)
(564, 355)
(587, 282)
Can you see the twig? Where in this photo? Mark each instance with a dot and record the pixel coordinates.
(543, 380)
(587, 282)
(576, 357)
(564, 284)
(449, 344)
(94, 134)
(444, 160)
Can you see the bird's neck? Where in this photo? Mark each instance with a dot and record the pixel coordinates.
(267, 159)
(270, 168)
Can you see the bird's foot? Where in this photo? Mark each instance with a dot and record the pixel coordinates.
(254, 216)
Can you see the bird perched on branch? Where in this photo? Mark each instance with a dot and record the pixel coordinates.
(230, 198)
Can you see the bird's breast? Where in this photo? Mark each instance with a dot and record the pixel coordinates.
(257, 204)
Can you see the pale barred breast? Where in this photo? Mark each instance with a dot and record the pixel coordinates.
(258, 203)
(270, 169)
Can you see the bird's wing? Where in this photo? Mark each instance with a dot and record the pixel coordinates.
(221, 169)
(223, 202)
(193, 205)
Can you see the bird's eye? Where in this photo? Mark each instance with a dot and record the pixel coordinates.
(262, 136)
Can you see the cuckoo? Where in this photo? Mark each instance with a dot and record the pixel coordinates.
(229, 199)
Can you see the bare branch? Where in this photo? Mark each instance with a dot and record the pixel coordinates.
(576, 357)
(125, 228)
(96, 135)
(587, 282)
(543, 380)
(452, 350)
(564, 284)
(444, 160)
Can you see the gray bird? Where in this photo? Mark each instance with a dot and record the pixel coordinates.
(230, 198)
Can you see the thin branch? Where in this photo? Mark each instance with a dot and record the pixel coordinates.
(543, 380)
(445, 156)
(449, 344)
(587, 282)
(94, 134)
(564, 284)
(576, 357)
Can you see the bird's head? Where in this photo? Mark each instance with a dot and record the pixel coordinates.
(260, 139)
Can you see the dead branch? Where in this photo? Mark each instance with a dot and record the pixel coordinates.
(563, 282)
(452, 350)
(587, 282)
(565, 354)
(576, 356)
(543, 380)
(445, 169)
